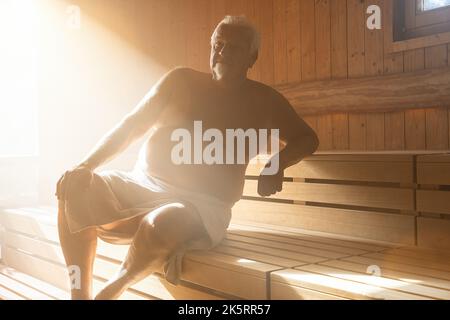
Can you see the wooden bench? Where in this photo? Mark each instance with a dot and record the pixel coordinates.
(338, 218)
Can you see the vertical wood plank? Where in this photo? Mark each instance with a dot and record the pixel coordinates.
(312, 122)
(437, 136)
(250, 10)
(176, 38)
(374, 46)
(339, 39)
(340, 121)
(394, 122)
(323, 39)
(324, 132)
(436, 56)
(375, 131)
(394, 130)
(194, 44)
(393, 63)
(265, 13)
(280, 41)
(355, 32)
(205, 31)
(415, 130)
(340, 125)
(293, 33)
(308, 46)
(414, 60)
(235, 7)
(414, 119)
(373, 66)
(323, 66)
(437, 121)
(357, 131)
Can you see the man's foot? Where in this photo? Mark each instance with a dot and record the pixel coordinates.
(115, 287)
(112, 291)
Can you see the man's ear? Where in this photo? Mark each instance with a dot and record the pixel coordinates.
(253, 59)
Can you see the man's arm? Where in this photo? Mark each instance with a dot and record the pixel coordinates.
(298, 138)
(131, 128)
(135, 124)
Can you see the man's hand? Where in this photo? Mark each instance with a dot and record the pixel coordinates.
(80, 176)
(270, 184)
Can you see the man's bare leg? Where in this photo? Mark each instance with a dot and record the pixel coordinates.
(160, 233)
(79, 250)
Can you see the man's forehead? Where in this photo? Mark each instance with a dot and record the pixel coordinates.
(233, 32)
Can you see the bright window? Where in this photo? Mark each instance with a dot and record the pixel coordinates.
(434, 4)
(18, 79)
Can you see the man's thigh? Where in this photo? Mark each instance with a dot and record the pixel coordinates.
(173, 224)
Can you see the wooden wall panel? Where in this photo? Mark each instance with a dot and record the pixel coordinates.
(340, 133)
(307, 40)
(414, 119)
(356, 43)
(293, 39)
(307, 20)
(325, 131)
(265, 13)
(338, 38)
(323, 39)
(279, 41)
(250, 11)
(436, 120)
(357, 125)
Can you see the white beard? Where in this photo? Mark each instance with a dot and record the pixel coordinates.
(221, 70)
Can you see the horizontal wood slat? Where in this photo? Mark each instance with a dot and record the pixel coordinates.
(348, 168)
(433, 201)
(34, 283)
(393, 289)
(406, 272)
(375, 197)
(433, 233)
(356, 272)
(433, 169)
(394, 228)
(313, 278)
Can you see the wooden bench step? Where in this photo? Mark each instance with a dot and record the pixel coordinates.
(253, 262)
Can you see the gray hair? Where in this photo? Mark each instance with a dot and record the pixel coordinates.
(241, 21)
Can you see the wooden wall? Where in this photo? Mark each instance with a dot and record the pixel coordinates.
(304, 40)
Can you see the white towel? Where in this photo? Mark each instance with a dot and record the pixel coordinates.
(116, 195)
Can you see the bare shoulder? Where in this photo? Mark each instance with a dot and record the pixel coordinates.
(181, 77)
(175, 75)
(270, 95)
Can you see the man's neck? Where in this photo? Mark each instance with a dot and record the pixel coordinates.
(231, 84)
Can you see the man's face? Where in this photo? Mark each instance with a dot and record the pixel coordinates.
(230, 53)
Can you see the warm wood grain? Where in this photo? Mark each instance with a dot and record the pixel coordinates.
(393, 92)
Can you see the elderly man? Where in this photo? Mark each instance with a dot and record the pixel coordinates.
(165, 208)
